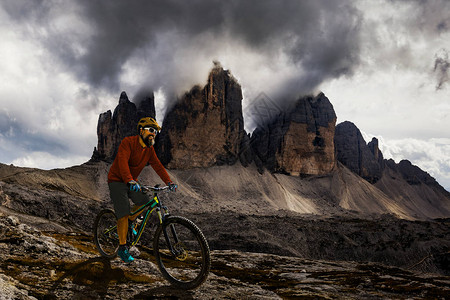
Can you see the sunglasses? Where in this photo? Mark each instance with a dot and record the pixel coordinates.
(151, 130)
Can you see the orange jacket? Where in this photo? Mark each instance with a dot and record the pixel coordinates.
(131, 158)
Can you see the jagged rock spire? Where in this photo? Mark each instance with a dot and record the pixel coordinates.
(112, 128)
(373, 146)
(123, 98)
(206, 126)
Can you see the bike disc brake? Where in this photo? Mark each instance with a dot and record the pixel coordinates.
(180, 251)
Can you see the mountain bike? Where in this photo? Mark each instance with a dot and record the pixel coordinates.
(180, 248)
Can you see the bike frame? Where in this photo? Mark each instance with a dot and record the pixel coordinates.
(153, 204)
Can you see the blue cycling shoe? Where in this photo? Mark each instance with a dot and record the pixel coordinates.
(125, 255)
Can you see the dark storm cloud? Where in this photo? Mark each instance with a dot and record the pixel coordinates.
(320, 37)
(442, 68)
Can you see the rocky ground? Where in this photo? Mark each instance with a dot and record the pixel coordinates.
(380, 239)
(262, 248)
(42, 260)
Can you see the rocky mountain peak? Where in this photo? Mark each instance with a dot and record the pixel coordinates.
(413, 174)
(367, 161)
(353, 152)
(123, 98)
(373, 146)
(300, 140)
(313, 111)
(146, 105)
(205, 127)
(112, 128)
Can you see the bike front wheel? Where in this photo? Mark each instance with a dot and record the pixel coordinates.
(182, 252)
(105, 233)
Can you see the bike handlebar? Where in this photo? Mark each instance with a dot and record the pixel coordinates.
(154, 188)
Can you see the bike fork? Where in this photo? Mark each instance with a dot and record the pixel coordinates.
(168, 239)
(166, 235)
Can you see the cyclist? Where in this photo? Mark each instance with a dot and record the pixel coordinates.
(134, 153)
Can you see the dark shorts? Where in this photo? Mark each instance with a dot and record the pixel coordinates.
(120, 193)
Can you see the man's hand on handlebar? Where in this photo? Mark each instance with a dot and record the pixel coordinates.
(134, 186)
(172, 186)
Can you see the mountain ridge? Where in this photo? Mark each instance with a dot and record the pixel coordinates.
(205, 129)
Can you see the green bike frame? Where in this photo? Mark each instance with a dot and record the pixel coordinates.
(152, 205)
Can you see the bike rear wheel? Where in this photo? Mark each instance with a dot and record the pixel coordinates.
(105, 233)
(182, 252)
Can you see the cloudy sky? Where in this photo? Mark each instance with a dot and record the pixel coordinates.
(383, 64)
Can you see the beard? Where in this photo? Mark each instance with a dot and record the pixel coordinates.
(148, 141)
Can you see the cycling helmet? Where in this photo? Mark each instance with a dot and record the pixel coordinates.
(148, 122)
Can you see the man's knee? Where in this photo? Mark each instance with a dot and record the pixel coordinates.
(138, 198)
